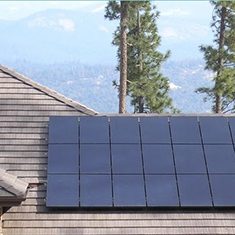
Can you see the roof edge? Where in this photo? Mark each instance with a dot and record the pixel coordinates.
(76, 105)
(166, 115)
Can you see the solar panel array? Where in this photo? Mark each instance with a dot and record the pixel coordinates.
(151, 161)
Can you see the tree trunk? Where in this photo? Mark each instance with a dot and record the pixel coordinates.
(123, 58)
(140, 98)
(218, 104)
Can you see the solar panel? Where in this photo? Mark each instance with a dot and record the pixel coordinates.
(189, 159)
(223, 190)
(185, 130)
(232, 127)
(158, 159)
(63, 130)
(95, 158)
(194, 191)
(126, 159)
(220, 158)
(128, 135)
(128, 190)
(62, 190)
(155, 130)
(215, 130)
(151, 162)
(95, 191)
(63, 158)
(94, 130)
(161, 190)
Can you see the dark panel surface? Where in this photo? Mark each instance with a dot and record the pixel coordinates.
(63, 130)
(232, 127)
(194, 191)
(223, 189)
(215, 130)
(63, 158)
(189, 159)
(94, 130)
(62, 191)
(158, 159)
(220, 158)
(185, 130)
(128, 190)
(155, 130)
(95, 158)
(126, 159)
(161, 190)
(96, 190)
(124, 130)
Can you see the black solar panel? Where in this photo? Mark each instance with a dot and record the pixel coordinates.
(189, 159)
(155, 130)
(232, 127)
(94, 130)
(128, 190)
(220, 159)
(62, 190)
(96, 190)
(185, 130)
(215, 130)
(95, 158)
(158, 159)
(126, 159)
(161, 190)
(63, 158)
(223, 190)
(153, 162)
(128, 135)
(63, 130)
(194, 191)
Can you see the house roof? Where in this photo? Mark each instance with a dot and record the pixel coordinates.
(76, 105)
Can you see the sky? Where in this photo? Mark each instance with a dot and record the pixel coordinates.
(183, 25)
(12, 10)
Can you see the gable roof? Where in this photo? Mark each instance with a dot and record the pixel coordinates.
(76, 105)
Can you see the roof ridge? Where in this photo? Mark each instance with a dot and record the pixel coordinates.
(76, 105)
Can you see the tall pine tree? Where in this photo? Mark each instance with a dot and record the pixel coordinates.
(220, 58)
(146, 86)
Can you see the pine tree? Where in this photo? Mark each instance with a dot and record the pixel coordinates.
(220, 58)
(146, 86)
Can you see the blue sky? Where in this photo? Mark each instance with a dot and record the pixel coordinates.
(19, 9)
(183, 25)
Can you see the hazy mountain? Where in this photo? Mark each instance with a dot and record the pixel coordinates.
(64, 35)
(58, 35)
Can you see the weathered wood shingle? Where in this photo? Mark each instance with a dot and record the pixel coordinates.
(25, 108)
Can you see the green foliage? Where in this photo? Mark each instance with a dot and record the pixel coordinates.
(146, 86)
(220, 58)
